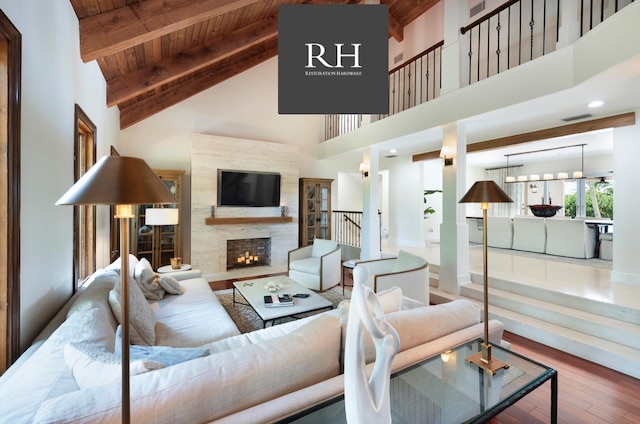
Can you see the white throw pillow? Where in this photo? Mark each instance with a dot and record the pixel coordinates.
(390, 300)
(142, 320)
(147, 279)
(115, 265)
(169, 284)
(144, 272)
(93, 367)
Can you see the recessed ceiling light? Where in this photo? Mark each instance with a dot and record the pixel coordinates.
(595, 103)
(393, 151)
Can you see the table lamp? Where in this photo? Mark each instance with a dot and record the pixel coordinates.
(121, 181)
(160, 217)
(485, 192)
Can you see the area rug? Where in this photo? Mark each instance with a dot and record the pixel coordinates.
(247, 320)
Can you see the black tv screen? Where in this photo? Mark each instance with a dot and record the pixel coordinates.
(246, 188)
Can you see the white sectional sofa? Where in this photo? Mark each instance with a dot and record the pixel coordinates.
(560, 236)
(256, 377)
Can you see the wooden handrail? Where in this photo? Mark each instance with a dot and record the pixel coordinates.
(346, 218)
(418, 56)
(488, 16)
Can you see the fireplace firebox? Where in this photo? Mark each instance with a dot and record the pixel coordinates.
(243, 253)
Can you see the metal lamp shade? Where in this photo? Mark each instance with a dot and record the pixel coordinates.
(485, 192)
(118, 180)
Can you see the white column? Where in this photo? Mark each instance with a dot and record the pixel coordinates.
(569, 30)
(452, 57)
(626, 204)
(370, 232)
(454, 232)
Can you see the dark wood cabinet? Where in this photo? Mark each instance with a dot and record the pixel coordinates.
(158, 243)
(315, 210)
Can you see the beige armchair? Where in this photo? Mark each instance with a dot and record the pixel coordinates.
(407, 271)
(316, 266)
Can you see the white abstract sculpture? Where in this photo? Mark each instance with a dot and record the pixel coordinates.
(367, 399)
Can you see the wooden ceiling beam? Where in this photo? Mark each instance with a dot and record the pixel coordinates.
(614, 121)
(126, 27)
(395, 28)
(128, 86)
(151, 105)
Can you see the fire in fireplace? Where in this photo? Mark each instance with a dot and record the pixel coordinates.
(242, 253)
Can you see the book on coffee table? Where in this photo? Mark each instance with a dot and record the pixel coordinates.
(277, 300)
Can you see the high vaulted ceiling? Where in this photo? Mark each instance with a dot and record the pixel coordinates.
(156, 53)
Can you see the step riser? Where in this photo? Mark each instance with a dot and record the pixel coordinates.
(608, 310)
(607, 332)
(588, 352)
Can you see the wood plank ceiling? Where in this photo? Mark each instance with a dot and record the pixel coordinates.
(156, 53)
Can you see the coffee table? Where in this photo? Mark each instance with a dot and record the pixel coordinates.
(253, 291)
(447, 389)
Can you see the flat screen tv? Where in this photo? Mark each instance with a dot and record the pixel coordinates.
(247, 188)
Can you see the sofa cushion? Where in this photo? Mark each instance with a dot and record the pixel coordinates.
(274, 368)
(96, 295)
(310, 265)
(421, 325)
(48, 368)
(164, 355)
(142, 320)
(93, 367)
(193, 319)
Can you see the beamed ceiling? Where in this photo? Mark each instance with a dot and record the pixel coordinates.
(156, 53)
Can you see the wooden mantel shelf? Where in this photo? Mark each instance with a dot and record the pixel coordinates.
(250, 220)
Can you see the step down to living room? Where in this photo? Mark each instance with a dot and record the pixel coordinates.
(600, 332)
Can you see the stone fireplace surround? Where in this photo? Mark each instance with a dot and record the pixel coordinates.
(209, 242)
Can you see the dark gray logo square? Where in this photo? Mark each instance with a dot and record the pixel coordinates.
(333, 59)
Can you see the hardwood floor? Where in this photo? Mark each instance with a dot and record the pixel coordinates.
(587, 393)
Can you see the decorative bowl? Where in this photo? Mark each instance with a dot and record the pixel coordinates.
(544, 211)
(272, 286)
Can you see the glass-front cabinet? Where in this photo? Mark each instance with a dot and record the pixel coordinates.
(158, 243)
(315, 210)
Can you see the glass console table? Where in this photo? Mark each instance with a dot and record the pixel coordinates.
(446, 389)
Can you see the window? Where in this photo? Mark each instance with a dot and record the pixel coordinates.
(84, 217)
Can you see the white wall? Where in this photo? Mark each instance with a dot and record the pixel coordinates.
(53, 80)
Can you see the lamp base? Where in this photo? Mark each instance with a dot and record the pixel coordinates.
(484, 360)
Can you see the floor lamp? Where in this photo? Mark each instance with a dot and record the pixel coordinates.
(485, 192)
(121, 181)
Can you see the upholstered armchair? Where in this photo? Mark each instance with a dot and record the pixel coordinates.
(316, 266)
(407, 271)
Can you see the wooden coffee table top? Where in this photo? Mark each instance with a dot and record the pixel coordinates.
(253, 291)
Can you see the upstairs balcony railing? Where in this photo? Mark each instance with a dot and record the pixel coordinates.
(414, 82)
(523, 30)
(512, 34)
